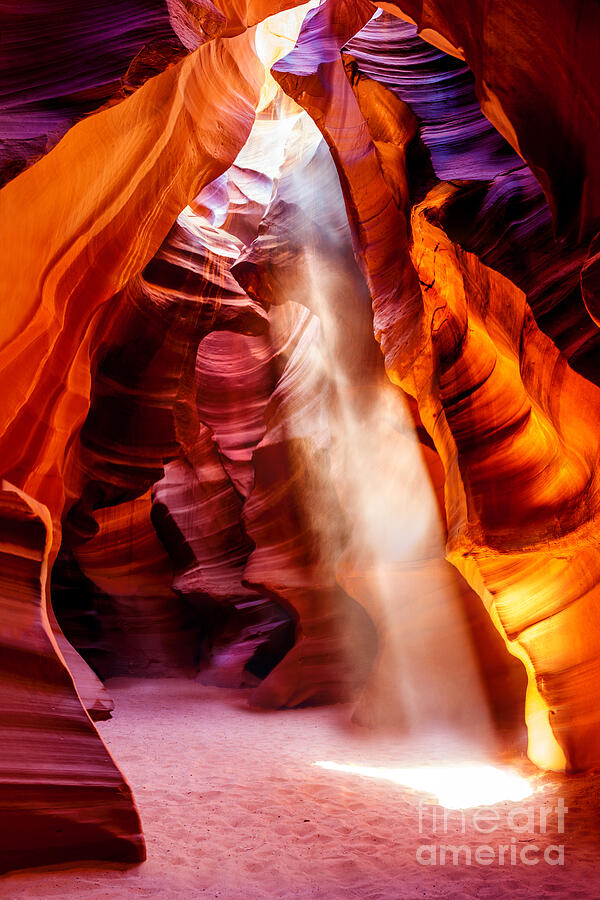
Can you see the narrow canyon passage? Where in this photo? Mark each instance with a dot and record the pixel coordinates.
(233, 806)
(299, 449)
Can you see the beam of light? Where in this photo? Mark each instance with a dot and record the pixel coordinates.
(275, 37)
(392, 563)
(454, 786)
(426, 671)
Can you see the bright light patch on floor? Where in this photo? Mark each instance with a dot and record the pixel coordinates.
(456, 787)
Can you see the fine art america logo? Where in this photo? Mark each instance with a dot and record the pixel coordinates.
(517, 835)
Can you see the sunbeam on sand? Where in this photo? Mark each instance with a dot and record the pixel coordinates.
(454, 786)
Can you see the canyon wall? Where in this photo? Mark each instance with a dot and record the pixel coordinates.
(211, 467)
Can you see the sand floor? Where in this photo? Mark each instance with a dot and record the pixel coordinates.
(234, 807)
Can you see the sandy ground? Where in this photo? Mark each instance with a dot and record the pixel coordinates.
(234, 807)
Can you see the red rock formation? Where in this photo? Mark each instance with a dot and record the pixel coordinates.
(208, 480)
(517, 56)
(199, 20)
(62, 61)
(522, 522)
(48, 318)
(503, 217)
(148, 628)
(590, 280)
(49, 329)
(62, 796)
(79, 245)
(527, 438)
(198, 514)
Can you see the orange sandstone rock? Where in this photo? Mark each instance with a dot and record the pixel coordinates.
(61, 795)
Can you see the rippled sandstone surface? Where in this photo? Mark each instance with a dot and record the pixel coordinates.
(298, 349)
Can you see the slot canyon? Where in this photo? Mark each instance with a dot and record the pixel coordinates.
(300, 449)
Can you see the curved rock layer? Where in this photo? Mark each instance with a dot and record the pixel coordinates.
(62, 61)
(149, 630)
(503, 218)
(517, 55)
(367, 447)
(519, 470)
(195, 404)
(51, 316)
(525, 534)
(80, 244)
(198, 513)
(61, 794)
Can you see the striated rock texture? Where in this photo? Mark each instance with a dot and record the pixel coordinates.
(517, 55)
(51, 315)
(62, 61)
(80, 244)
(367, 448)
(207, 228)
(61, 794)
(503, 217)
(148, 628)
(520, 470)
(524, 516)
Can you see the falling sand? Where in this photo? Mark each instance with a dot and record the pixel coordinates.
(234, 806)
